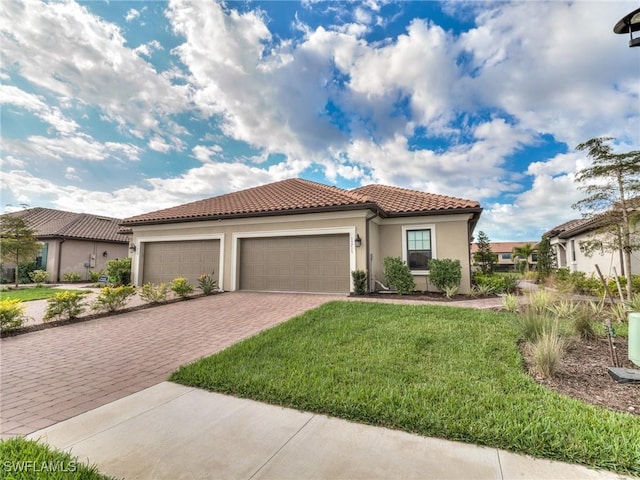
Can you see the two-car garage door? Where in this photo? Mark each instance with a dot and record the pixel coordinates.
(314, 263)
(311, 263)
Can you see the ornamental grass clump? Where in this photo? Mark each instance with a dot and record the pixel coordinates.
(207, 284)
(181, 287)
(547, 352)
(152, 293)
(65, 305)
(112, 299)
(11, 314)
(582, 325)
(532, 324)
(510, 303)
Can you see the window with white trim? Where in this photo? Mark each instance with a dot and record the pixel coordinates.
(418, 247)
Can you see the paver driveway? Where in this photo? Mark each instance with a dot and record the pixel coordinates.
(58, 373)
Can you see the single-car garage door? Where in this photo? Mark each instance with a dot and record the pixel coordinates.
(164, 261)
(315, 263)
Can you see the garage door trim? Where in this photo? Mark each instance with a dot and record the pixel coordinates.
(237, 236)
(137, 262)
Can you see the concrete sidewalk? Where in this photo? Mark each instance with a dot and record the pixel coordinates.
(172, 431)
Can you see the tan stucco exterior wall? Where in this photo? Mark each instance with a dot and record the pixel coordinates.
(385, 239)
(451, 241)
(77, 253)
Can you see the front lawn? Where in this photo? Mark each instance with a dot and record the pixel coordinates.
(440, 371)
(31, 293)
(29, 459)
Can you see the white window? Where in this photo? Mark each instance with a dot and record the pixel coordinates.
(418, 247)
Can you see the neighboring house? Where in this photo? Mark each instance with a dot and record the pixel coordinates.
(567, 240)
(301, 236)
(73, 242)
(504, 254)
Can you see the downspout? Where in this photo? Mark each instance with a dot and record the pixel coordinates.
(59, 260)
(368, 250)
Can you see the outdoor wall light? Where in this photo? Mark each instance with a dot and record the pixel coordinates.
(105, 254)
(628, 24)
(357, 241)
(132, 247)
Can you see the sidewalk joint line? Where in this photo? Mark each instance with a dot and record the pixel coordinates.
(281, 447)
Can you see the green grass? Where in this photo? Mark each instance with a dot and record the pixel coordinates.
(28, 294)
(28, 459)
(439, 371)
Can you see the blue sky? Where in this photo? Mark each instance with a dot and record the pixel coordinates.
(124, 107)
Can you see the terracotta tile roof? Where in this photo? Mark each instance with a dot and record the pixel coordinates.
(504, 247)
(401, 200)
(290, 196)
(49, 223)
(297, 195)
(567, 227)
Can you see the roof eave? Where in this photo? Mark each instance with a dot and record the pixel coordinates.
(70, 237)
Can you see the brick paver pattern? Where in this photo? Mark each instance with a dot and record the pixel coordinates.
(55, 374)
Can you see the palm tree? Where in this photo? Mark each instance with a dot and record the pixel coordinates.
(523, 253)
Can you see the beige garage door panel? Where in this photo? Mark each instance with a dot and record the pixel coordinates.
(318, 263)
(164, 261)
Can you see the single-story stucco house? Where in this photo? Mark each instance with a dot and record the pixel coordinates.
(73, 242)
(568, 239)
(301, 236)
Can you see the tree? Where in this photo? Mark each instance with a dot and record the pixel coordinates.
(612, 186)
(523, 253)
(17, 241)
(484, 256)
(546, 258)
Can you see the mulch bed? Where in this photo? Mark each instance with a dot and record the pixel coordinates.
(583, 375)
(420, 296)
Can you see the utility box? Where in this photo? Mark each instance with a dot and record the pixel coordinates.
(634, 338)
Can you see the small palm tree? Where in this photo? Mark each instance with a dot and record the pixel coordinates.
(523, 253)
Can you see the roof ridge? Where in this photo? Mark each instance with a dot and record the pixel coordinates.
(349, 193)
(410, 190)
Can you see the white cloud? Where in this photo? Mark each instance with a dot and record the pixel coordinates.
(11, 95)
(78, 146)
(205, 153)
(147, 49)
(70, 174)
(132, 14)
(206, 181)
(65, 49)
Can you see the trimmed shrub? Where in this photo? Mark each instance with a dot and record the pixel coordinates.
(119, 271)
(95, 276)
(497, 283)
(398, 275)
(71, 277)
(181, 287)
(64, 305)
(154, 293)
(207, 284)
(445, 273)
(359, 278)
(11, 314)
(113, 298)
(39, 277)
(24, 270)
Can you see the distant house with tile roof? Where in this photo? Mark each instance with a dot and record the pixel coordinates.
(504, 253)
(302, 236)
(73, 242)
(568, 241)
